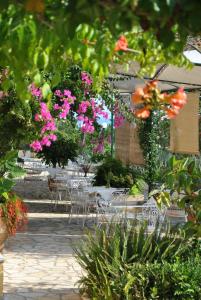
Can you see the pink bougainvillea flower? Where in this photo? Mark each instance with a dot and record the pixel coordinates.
(56, 106)
(52, 137)
(63, 114)
(80, 118)
(118, 120)
(121, 44)
(45, 141)
(87, 126)
(71, 99)
(49, 126)
(36, 146)
(67, 93)
(45, 113)
(37, 117)
(85, 78)
(83, 106)
(99, 148)
(36, 92)
(58, 93)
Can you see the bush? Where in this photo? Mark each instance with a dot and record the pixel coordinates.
(64, 148)
(113, 173)
(136, 265)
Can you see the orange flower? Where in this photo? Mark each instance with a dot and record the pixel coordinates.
(137, 96)
(142, 113)
(121, 44)
(153, 84)
(180, 94)
(178, 103)
(171, 113)
(178, 99)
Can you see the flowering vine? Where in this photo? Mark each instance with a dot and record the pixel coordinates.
(149, 98)
(86, 110)
(46, 120)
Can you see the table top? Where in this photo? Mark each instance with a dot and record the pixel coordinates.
(106, 193)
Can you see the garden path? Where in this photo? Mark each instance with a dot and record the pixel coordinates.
(39, 263)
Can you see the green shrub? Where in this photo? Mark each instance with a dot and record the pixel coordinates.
(65, 148)
(176, 280)
(138, 188)
(113, 173)
(136, 265)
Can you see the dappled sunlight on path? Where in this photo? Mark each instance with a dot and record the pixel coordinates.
(39, 263)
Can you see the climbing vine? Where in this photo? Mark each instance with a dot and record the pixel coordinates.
(154, 139)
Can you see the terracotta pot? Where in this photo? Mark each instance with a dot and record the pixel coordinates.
(3, 234)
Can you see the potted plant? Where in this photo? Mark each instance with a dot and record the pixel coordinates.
(13, 216)
(13, 211)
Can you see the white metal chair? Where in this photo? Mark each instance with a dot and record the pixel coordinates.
(58, 191)
(81, 203)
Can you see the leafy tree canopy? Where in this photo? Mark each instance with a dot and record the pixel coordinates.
(49, 35)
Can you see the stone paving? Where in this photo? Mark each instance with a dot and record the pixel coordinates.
(39, 263)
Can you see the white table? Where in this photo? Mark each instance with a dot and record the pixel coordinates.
(105, 193)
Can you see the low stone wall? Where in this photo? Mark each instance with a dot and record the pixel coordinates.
(32, 189)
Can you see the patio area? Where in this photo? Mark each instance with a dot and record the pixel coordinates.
(39, 263)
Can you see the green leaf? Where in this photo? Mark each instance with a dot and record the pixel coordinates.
(37, 79)
(46, 90)
(55, 79)
(5, 185)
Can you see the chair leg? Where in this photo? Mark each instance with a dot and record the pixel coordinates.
(85, 211)
(70, 214)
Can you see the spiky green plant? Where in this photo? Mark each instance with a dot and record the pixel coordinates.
(108, 255)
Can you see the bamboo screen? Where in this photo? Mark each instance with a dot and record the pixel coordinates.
(184, 129)
(127, 146)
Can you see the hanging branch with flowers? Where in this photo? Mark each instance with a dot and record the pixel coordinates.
(149, 97)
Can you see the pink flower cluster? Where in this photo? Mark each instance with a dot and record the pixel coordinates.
(48, 125)
(94, 109)
(87, 126)
(100, 146)
(88, 112)
(66, 100)
(83, 106)
(118, 117)
(36, 92)
(118, 120)
(86, 79)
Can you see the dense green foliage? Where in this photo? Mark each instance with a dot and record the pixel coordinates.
(64, 148)
(113, 173)
(50, 35)
(16, 126)
(154, 141)
(8, 171)
(124, 262)
(182, 185)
